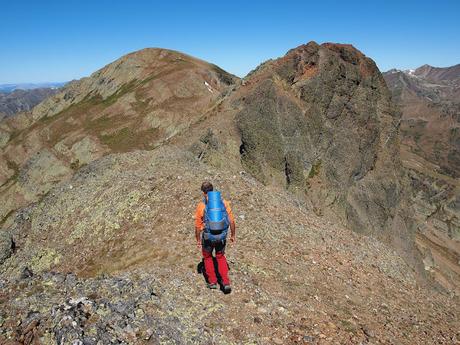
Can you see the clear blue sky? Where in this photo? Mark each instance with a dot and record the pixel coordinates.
(63, 40)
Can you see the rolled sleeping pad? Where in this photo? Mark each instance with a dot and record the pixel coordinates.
(215, 205)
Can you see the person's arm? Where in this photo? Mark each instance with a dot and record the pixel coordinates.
(232, 231)
(199, 225)
(231, 219)
(198, 235)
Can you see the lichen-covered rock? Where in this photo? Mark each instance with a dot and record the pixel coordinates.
(4, 138)
(32, 181)
(86, 151)
(6, 171)
(40, 173)
(6, 246)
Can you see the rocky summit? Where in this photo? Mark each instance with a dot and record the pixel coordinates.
(99, 184)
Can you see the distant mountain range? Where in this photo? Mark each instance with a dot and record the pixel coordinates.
(430, 73)
(429, 98)
(7, 88)
(20, 100)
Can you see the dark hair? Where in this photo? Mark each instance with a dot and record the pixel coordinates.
(207, 187)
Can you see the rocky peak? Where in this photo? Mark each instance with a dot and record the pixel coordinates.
(333, 134)
(134, 68)
(424, 69)
(439, 74)
(302, 62)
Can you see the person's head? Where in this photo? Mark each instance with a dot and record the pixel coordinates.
(206, 187)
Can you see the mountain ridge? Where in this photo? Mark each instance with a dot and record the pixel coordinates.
(98, 185)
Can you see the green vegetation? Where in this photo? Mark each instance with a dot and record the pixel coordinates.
(3, 220)
(223, 76)
(348, 326)
(13, 166)
(13, 135)
(99, 124)
(127, 138)
(148, 79)
(315, 169)
(84, 105)
(44, 260)
(121, 138)
(92, 104)
(75, 165)
(91, 100)
(141, 106)
(124, 89)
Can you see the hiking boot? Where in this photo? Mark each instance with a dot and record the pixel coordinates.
(212, 286)
(227, 289)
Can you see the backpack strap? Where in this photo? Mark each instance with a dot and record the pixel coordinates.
(205, 214)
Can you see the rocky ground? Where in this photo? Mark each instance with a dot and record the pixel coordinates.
(117, 265)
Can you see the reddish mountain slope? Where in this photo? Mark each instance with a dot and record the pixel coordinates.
(429, 99)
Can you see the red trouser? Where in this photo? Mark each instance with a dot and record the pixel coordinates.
(222, 266)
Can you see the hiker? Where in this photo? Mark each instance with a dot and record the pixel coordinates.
(213, 216)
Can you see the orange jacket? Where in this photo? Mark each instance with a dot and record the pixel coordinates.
(199, 214)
